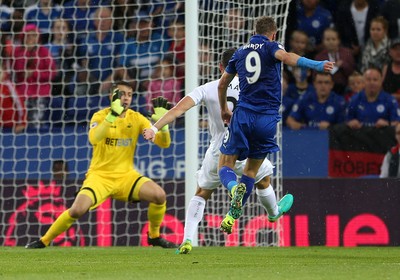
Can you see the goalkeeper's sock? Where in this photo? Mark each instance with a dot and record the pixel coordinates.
(62, 224)
(155, 215)
(194, 215)
(228, 177)
(267, 197)
(249, 183)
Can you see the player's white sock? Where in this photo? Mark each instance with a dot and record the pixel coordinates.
(267, 198)
(194, 215)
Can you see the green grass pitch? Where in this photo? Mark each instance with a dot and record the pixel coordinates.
(202, 263)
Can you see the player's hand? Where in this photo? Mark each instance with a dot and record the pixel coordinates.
(328, 66)
(226, 116)
(161, 106)
(116, 107)
(149, 134)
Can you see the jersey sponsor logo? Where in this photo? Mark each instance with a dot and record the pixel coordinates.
(117, 142)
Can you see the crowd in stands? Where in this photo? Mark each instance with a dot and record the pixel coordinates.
(59, 58)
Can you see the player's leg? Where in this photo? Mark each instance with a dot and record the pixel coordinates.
(226, 171)
(80, 206)
(148, 190)
(266, 194)
(194, 215)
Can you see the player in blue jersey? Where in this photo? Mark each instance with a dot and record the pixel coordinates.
(372, 106)
(252, 130)
(319, 108)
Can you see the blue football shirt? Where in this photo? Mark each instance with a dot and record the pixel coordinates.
(259, 75)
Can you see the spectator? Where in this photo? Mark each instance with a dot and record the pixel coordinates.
(319, 109)
(62, 51)
(376, 51)
(355, 85)
(235, 31)
(166, 11)
(33, 69)
(164, 83)
(98, 55)
(342, 56)
(391, 71)
(298, 44)
(5, 16)
(143, 51)
(42, 14)
(301, 84)
(123, 10)
(353, 23)
(372, 107)
(176, 31)
(390, 167)
(391, 12)
(313, 19)
(79, 14)
(12, 108)
(206, 68)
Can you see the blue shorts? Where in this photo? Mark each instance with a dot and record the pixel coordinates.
(250, 135)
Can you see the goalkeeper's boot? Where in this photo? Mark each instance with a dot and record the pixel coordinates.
(185, 247)
(284, 206)
(38, 244)
(161, 242)
(238, 192)
(227, 224)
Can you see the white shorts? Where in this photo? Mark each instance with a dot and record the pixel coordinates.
(207, 176)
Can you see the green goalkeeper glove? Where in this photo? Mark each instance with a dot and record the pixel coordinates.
(116, 107)
(161, 107)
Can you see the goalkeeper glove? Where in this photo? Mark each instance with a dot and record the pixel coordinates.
(116, 107)
(161, 107)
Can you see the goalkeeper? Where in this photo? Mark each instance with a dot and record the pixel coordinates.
(114, 133)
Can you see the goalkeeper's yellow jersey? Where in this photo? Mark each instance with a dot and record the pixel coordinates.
(113, 154)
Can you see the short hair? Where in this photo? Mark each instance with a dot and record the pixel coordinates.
(226, 56)
(120, 83)
(323, 74)
(355, 74)
(382, 20)
(374, 67)
(266, 25)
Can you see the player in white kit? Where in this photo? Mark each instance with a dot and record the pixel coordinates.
(207, 176)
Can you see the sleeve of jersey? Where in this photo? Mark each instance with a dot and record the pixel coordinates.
(98, 128)
(198, 94)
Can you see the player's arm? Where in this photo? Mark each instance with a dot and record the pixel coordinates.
(178, 110)
(292, 123)
(98, 132)
(293, 59)
(223, 84)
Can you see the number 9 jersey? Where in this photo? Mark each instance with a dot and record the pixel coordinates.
(259, 75)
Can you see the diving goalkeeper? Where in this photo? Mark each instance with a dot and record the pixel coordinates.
(114, 133)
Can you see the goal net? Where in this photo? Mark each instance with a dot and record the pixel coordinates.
(51, 87)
